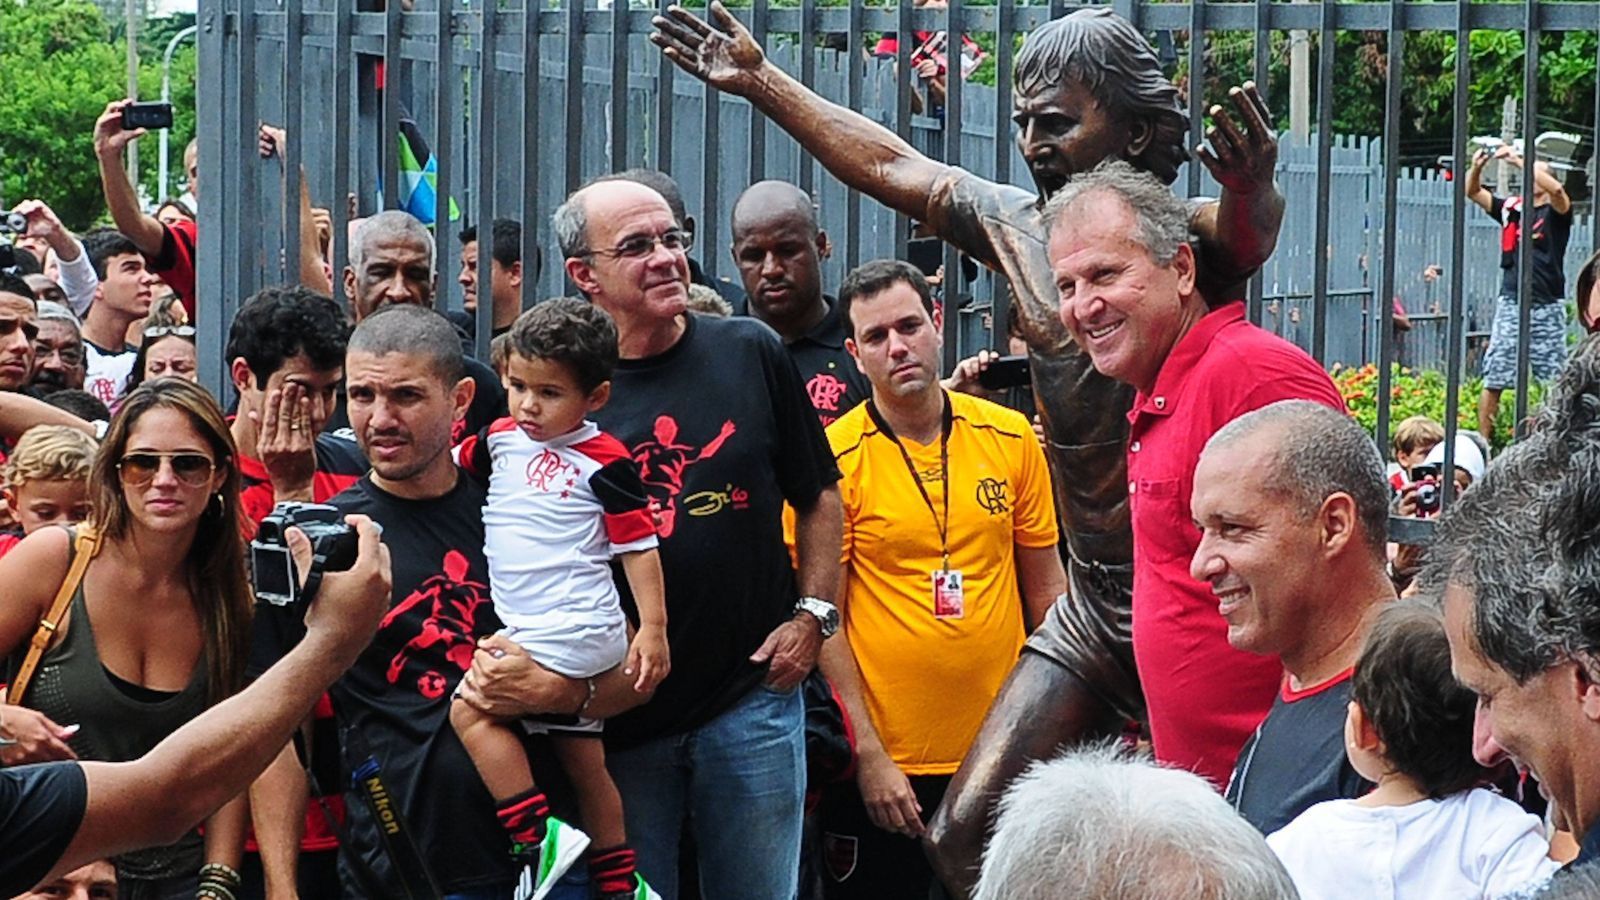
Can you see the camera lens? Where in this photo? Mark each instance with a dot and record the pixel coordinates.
(16, 222)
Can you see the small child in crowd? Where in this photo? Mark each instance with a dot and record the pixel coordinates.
(1413, 438)
(564, 499)
(1426, 830)
(47, 480)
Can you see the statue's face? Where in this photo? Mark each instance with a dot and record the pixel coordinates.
(1062, 130)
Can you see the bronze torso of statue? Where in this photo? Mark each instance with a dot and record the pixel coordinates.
(1088, 87)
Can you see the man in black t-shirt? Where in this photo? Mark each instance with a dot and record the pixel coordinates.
(1547, 316)
(779, 251)
(407, 386)
(716, 416)
(1293, 510)
(392, 262)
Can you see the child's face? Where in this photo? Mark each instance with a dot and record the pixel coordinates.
(1417, 455)
(545, 398)
(35, 504)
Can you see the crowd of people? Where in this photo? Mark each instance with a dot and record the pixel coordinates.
(735, 593)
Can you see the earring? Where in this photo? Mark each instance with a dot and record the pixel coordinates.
(221, 506)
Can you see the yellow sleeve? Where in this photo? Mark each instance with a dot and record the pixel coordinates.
(1033, 517)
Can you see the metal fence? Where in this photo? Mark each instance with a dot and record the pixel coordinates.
(520, 108)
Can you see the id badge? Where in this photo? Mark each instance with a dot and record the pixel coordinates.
(949, 595)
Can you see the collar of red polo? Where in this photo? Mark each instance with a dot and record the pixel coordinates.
(1183, 359)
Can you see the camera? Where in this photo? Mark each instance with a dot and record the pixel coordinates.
(1006, 372)
(13, 223)
(155, 114)
(333, 549)
(1428, 488)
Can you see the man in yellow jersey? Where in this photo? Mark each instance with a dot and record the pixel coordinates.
(949, 555)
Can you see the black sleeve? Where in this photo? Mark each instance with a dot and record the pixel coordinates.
(41, 807)
(488, 401)
(1497, 205)
(804, 463)
(619, 487)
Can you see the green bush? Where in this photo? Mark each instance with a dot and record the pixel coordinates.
(1421, 392)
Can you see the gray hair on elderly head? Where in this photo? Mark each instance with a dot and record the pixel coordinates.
(1319, 451)
(388, 225)
(571, 224)
(1097, 825)
(53, 311)
(1161, 220)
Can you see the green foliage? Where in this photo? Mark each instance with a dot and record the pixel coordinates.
(1421, 392)
(60, 68)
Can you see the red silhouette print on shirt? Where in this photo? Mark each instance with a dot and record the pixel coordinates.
(453, 610)
(663, 462)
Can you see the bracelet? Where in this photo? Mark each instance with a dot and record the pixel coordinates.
(584, 706)
(221, 872)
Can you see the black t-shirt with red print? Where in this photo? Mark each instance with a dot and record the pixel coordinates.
(723, 433)
(1550, 233)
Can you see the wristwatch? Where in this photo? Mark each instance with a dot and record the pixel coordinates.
(826, 614)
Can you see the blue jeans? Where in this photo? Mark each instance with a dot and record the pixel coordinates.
(740, 780)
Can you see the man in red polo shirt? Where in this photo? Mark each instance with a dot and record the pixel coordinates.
(1125, 269)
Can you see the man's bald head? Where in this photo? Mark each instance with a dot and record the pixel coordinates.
(624, 250)
(772, 202)
(598, 199)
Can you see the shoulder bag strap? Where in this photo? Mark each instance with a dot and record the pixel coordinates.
(85, 545)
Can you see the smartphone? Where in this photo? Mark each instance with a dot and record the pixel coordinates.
(147, 115)
(1005, 372)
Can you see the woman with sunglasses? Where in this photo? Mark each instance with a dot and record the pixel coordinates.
(158, 627)
(167, 350)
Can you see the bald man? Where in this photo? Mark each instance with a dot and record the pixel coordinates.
(779, 250)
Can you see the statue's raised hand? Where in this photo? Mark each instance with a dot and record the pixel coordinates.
(725, 57)
(1242, 159)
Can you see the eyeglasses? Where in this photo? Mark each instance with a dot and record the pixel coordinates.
(642, 245)
(70, 354)
(160, 331)
(193, 469)
(9, 326)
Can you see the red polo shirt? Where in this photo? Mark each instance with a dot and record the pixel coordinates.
(1204, 698)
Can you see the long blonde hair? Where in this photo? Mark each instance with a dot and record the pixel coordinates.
(216, 558)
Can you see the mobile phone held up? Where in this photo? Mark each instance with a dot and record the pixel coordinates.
(1005, 372)
(146, 115)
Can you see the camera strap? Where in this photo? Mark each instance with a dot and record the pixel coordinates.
(410, 868)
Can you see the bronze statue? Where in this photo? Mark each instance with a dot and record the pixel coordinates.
(1088, 87)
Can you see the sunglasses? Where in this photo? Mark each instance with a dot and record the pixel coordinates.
(158, 331)
(193, 469)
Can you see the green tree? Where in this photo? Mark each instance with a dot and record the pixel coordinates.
(59, 67)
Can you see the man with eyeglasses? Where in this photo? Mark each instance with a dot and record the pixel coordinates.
(716, 416)
(17, 331)
(57, 350)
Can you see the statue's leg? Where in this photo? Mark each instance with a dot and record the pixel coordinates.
(1074, 682)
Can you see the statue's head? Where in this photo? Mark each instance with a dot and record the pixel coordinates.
(1089, 87)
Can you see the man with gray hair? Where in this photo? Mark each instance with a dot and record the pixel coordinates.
(1516, 563)
(1293, 511)
(1095, 824)
(57, 350)
(1125, 270)
(392, 262)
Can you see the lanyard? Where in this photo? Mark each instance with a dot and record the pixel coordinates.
(947, 422)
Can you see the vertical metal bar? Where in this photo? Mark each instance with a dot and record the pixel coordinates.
(573, 126)
(1197, 90)
(1383, 308)
(1004, 52)
(1594, 157)
(532, 130)
(906, 39)
(1456, 323)
(1530, 153)
(855, 70)
(389, 136)
(344, 112)
(211, 324)
(292, 154)
(954, 284)
(244, 168)
(1319, 299)
(808, 77)
(666, 71)
(1262, 74)
(447, 118)
(710, 184)
(758, 122)
(483, 115)
(619, 86)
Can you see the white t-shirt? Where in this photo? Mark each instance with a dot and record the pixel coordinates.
(556, 514)
(1472, 844)
(106, 373)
